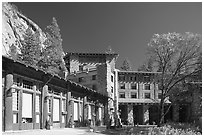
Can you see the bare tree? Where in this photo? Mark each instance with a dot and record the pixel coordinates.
(177, 57)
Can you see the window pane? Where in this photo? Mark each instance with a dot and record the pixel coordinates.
(37, 105)
(133, 95)
(147, 95)
(15, 118)
(121, 95)
(56, 109)
(122, 86)
(146, 86)
(15, 99)
(133, 86)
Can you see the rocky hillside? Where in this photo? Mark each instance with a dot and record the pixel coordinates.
(14, 25)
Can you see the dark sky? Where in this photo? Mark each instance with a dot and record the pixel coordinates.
(126, 27)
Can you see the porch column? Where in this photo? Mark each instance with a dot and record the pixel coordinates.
(8, 100)
(69, 109)
(130, 114)
(145, 114)
(106, 114)
(85, 111)
(45, 104)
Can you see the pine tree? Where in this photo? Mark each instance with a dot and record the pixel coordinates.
(30, 49)
(52, 55)
(126, 65)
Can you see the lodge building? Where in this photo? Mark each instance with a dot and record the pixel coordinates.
(33, 97)
(139, 95)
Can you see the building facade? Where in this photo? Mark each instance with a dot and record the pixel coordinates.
(35, 99)
(96, 71)
(139, 95)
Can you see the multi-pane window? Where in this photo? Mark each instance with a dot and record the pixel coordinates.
(146, 78)
(147, 95)
(122, 95)
(159, 87)
(81, 79)
(49, 105)
(17, 82)
(15, 99)
(133, 86)
(133, 95)
(94, 87)
(121, 77)
(111, 78)
(37, 105)
(80, 67)
(146, 86)
(63, 105)
(27, 84)
(93, 77)
(159, 95)
(122, 86)
(111, 89)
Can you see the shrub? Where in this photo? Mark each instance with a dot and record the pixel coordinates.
(175, 129)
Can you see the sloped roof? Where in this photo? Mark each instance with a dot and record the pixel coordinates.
(91, 54)
(54, 75)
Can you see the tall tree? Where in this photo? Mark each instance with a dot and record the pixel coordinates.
(126, 65)
(30, 48)
(52, 54)
(177, 57)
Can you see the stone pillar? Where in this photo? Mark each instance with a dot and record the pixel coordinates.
(85, 111)
(45, 105)
(106, 115)
(8, 101)
(69, 109)
(146, 114)
(176, 113)
(130, 114)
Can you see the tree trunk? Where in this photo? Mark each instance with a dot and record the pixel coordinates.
(161, 113)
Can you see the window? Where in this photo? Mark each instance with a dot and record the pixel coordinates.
(63, 105)
(111, 78)
(122, 95)
(133, 86)
(94, 87)
(133, 95)
(159, 87)
(146, 86)
(93, 77)
(159, 95)
(27, 84)
(56, 111)
(111, 89)
(15, 99)
(121, 77)
(27, 107)
(80, 67)
(146, 78)
(81, 79)
(147, 95)
(131, 78)
(49, 105)
(37, 103)
(122, 86)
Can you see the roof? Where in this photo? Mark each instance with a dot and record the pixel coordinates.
(131, 72)
(54, 75)
(91, 54)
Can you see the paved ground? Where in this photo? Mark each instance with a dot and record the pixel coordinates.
(62, 131)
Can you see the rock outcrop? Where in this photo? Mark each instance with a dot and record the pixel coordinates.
(14, 25)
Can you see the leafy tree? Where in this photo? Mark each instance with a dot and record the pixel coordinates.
(30, 48)
(52, 54)
(126, 65)
(177, 56)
